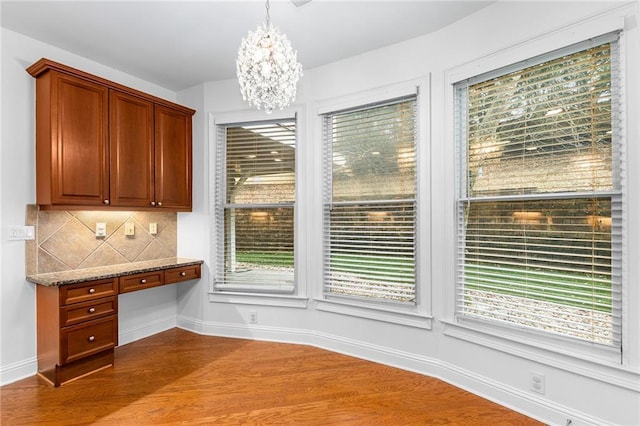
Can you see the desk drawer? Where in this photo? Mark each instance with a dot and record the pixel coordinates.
(141, 281)
(90, 290)
(88, 338)
(184, 273)
(90, 310)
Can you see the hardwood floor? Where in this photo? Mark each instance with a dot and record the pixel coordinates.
(178, 377)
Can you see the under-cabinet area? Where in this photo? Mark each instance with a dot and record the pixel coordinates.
(77, 312)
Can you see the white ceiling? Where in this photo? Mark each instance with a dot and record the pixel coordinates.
(179, 44)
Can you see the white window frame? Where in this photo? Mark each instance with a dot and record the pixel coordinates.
(417, 315)
(574, 356)
(248, 296)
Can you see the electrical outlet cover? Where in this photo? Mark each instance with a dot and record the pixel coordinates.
(101, 229)
(129, 229)
(536, 382)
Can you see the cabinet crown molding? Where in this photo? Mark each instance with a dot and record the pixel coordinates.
(43, 65)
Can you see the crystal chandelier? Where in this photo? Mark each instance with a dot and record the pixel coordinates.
(267, 68)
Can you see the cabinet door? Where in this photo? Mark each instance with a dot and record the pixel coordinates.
(78, 138)
(131, 148)
(173, 159)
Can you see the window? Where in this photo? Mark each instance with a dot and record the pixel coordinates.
(370, 202)
(540, 195)
(255, 194)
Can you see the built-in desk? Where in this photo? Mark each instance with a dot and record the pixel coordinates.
(77, 312)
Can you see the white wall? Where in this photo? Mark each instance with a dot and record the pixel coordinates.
(583, 390)
(142, 313)
(193, 227)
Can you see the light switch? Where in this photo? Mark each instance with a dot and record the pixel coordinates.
(101, 229)
(29, 232)
(153, 228)
(18, 233)
(129, 229)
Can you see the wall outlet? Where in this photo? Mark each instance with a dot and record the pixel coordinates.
(536, 382)
(101, 229)
(253, 317)
(153, 228)
(129, 228)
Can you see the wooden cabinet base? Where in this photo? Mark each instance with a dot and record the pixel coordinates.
(59, 375)
(78, 321)
(77, 328)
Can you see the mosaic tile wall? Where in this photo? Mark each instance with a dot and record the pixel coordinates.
(66, 240)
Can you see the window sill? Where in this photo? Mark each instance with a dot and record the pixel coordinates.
(410, 318)
(584, 359)
(254, 288)
(263, 299)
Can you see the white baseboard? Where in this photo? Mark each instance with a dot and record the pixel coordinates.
(145, 330)
(513, 398)
(18, 371)
(239, 331)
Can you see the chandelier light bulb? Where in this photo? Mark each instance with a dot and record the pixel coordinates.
(267, 68)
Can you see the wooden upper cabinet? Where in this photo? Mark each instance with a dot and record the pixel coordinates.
(173, 158)
(103, 145)
(131, 143)
(71, 141)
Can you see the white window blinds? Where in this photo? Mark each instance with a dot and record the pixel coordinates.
(369, 202)
(255, 195)
(540, 210)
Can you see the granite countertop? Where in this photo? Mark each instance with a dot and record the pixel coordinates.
(55, 279)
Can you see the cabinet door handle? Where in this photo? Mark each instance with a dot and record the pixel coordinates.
(92, 290)
(153, 203)
(106, 202)
(159, 203)
(143, 281)
(91, 310)
(91, 338)
(183, 274)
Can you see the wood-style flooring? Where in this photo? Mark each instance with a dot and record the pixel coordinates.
(178, 377)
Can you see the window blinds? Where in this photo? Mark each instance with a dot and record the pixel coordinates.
(541, 203)
(370, 205)
(255, 193)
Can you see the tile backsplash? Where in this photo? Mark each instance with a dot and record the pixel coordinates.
(66, 240)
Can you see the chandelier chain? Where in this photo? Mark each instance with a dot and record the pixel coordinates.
(266, 6)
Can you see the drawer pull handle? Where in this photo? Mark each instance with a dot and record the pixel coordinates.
(92, 338)
(143, 281)
(91, 310)
(183, 274)
(92, 290)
